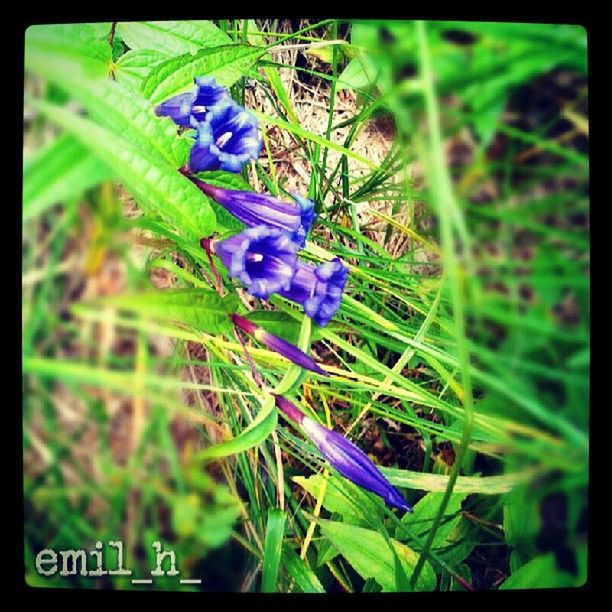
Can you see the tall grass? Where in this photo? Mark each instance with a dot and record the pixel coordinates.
(459, 359)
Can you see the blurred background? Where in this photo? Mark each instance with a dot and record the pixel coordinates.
(464, 194)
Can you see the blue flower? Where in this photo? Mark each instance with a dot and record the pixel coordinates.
(226, 139)
(344, 456)
(190, 108)
(318, 289)
(262, 258)
(286, 349)
(257, 209)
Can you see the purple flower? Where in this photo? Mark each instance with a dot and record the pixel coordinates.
(226, 139)
(288, 350)
(344, 456)
(258, 209)
(262, 258)
(190, 108)
(319, 289)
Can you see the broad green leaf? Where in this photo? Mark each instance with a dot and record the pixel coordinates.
(203, 309)
(172, 37)
(76, 41)
(341, 496)
(304, 577)
(425, 511)
(278, 323)
(542, 573)
(110, 104)
(134, 66)
(156, 186)
(226, 63)
(486, 485)
(63, 169)
(227, 180)
(261, 427)
(275, 531)
(359, 73)
(522, 521)
(371, 557)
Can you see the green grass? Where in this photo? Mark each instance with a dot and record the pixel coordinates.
(142, 421)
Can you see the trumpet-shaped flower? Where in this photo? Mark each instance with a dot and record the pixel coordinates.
(344, 456)
(259, 209)
(189, 108)
(262, 258)
(318, 289)
(226, 140)
(286, 349)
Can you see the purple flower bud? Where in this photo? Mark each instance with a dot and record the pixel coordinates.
(344, 456)
(353, 463)
(259, 209)
(288, 350)
(226, 140)
(189, 108)
(262, 258)
(318, 289)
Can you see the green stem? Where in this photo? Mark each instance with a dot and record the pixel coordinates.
(448, 211)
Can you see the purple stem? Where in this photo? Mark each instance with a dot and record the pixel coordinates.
(288, 409)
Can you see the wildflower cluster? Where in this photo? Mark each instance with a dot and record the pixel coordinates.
(227, 135)
(264, 257)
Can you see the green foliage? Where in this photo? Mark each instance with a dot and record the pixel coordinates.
(252, 435)
(374, 556)
(542, 573)
(225, 63)
(62, 170)
(275, 531)
(459, 358)
(172, 37)
(202, 309)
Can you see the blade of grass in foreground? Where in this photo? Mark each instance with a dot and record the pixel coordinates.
(272, 551)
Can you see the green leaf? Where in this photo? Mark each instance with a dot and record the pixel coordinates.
(80, 41)
(341, 496)
(522, 521)
(304, 577)
(542, 573)
(134, 66)
(203, 309)
(278, 323)
(275, 531)
(425, 511)
(226, 63)
(172, 37)
(486, 485)
(371, 557)
(359, 73)
(158, 187)
(109, 103)
(62, 170)
(261, 427)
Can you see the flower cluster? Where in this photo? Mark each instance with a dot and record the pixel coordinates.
(264, 256)
(227, 135)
